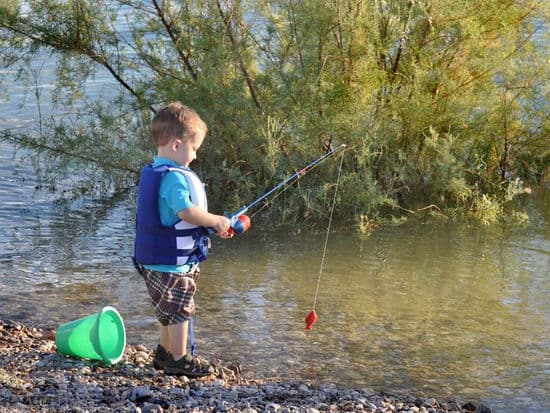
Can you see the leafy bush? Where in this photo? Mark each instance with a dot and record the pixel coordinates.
(440, 103)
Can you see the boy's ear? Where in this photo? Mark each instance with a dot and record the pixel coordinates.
(176, 144)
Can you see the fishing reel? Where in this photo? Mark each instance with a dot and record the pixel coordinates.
(240, 225)
(237, 225)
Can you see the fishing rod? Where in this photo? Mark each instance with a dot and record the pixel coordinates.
(239, 222)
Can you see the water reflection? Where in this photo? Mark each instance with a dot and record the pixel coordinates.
(442, 309)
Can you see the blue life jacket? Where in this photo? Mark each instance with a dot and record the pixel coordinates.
(157, 244)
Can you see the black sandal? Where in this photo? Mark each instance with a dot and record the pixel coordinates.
(188, 366)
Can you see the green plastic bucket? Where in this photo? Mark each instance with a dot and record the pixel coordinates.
(98, 336)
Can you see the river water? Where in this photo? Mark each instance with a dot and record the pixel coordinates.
(435, 309)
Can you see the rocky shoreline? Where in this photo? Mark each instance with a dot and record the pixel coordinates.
(35, 378)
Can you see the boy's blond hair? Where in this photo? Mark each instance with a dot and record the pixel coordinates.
(175, 121)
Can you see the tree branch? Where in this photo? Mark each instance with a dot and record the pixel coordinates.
(174, 38)
(21, 140)
(249, 81)
(60, 45)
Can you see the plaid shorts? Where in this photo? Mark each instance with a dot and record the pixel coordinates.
(171, 294)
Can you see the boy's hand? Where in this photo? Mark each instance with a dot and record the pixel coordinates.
(196, 216)
(221, 226)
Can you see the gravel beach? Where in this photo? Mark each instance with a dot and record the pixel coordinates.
(35, 378)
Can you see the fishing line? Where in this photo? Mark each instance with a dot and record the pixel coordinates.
(312, 318)
(278, 194)
(241, 222)
(328, 232)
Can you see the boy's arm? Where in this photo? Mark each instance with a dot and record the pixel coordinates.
(196, 216)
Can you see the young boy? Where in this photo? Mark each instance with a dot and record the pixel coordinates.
(171, 235)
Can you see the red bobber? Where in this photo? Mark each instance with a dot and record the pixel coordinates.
(311, 319)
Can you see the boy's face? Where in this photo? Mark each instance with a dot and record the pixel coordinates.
(185, 150)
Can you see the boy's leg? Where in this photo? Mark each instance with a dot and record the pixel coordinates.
(163, 340)
(176, 339)
(178, 362)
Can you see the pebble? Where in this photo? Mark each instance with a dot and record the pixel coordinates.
(35, 378)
